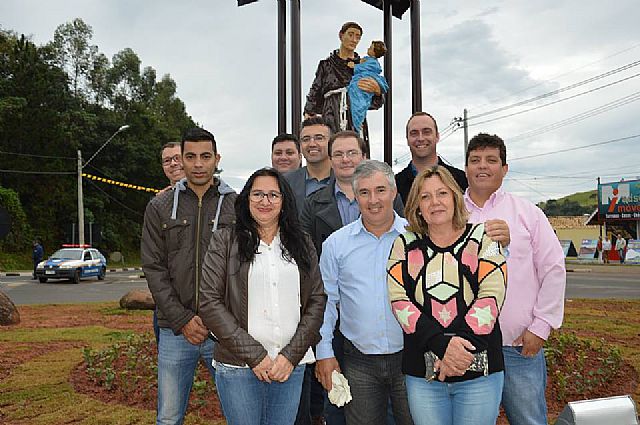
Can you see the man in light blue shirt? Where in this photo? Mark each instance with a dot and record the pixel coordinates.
(353, 270)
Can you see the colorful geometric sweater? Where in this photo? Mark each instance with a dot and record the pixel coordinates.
(437, 293)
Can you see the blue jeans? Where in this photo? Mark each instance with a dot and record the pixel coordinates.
(476, 401)
(525, 379)
(177, 362)
(247, 401)
(374, 379)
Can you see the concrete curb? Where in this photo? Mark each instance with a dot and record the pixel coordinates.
(23, 273)
(577, 270)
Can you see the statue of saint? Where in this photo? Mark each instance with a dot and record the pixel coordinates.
(328, 93)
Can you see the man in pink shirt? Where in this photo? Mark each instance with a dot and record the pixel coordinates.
(534, 302)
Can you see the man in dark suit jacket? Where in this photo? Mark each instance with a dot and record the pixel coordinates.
(422, 138)
(314, 138)
(333, 207)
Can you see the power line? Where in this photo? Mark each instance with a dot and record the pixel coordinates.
(35, 156)
(530, 187)
(579, 117)
(114, 199)
(560, 90)
(577, 148)
(561, 75)
(584, 173)
(38, 172)
(554, 102)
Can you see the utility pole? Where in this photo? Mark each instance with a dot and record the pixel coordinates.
(466, 131)
(80, 167)
(80, 202)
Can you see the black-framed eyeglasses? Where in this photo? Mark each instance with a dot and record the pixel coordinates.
(168, 160)
(272, 196)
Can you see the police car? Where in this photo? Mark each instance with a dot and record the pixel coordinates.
(73, 262)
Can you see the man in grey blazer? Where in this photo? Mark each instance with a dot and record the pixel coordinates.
(314, 138)
(334, 206)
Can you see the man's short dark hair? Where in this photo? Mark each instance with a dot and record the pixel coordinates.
(197, 134)
(285, 137)
(315, 120)
(420, 114)
(484, 140)
(168, 145)
(345, 135)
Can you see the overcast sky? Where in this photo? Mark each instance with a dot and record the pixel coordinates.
(475, 55)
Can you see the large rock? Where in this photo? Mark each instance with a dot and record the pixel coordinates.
(138, 299)
(9, 314)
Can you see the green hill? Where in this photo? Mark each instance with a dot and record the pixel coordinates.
(575, 204)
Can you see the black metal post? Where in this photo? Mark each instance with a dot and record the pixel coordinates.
(388, 122)
(296, 69)
(282, 66)
(416, 70)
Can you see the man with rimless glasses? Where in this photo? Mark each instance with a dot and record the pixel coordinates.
(314, 138)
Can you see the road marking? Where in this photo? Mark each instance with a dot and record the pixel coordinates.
(14, 284)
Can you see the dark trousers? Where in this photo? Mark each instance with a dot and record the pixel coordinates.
(374, 379)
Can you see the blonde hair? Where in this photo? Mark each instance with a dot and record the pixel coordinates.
(417, 223)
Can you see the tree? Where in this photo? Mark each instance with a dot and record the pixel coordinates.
(73, 52)
(125, 78)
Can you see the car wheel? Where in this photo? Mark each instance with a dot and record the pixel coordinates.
(42, 279)
(76, 277)
(103, 272)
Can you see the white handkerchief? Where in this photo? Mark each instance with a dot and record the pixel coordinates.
(340, 393)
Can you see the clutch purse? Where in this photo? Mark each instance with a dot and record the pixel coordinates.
(480, 363)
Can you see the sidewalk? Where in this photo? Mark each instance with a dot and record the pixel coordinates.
(584, 266)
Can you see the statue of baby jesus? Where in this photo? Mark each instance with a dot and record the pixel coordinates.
(360, 100)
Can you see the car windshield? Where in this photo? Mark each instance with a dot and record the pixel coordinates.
(68, 254)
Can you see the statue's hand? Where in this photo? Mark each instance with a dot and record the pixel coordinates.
(370, 85)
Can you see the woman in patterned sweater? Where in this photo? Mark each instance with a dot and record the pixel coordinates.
(446, 281)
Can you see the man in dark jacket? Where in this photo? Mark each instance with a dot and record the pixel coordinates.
(335, 206)
(314, 137)
(422, 138)
(38, 255)
(176, 232)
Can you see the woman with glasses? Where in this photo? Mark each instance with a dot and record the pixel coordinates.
(262, 296)
(446, 282)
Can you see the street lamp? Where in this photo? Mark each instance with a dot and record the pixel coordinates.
(80, 198)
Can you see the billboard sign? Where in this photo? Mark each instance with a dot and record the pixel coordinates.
(633, 252)
(620, 200)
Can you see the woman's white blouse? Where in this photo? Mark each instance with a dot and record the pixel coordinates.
(274, 299)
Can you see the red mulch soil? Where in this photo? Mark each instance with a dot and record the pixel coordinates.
(67, 316)
(206, 405)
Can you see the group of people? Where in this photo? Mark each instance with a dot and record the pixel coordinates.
(604, 247)
(431, 291)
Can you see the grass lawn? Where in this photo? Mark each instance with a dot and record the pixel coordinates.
(37, 357)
